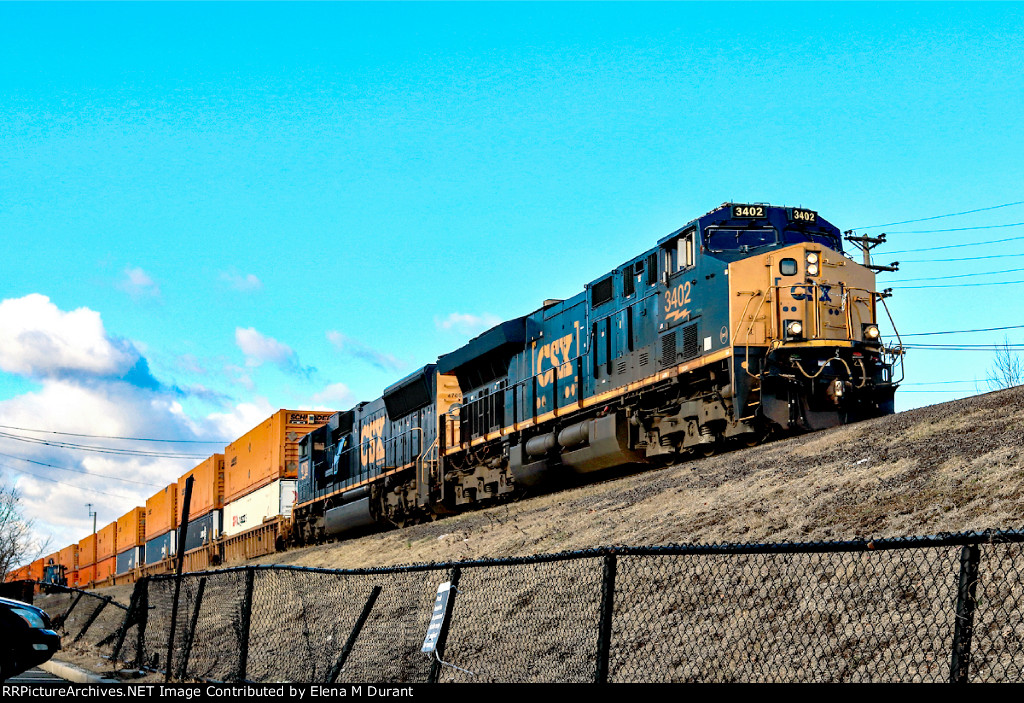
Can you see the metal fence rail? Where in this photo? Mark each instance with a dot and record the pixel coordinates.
(941, 608)
(80, 615)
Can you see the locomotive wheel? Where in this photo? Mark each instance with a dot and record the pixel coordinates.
(752, 439)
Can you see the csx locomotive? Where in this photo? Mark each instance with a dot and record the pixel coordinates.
(747, 320)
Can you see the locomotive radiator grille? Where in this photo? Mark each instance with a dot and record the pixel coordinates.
(668, 349)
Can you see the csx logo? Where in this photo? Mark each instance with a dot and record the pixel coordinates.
(806, 293)
(371, 446)
(555, 355)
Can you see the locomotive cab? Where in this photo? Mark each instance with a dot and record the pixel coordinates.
(804, 324)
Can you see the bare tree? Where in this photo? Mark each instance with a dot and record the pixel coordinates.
(17, 543)
(1007, 369)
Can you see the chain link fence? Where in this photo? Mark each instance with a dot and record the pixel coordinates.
(943, 608)
(80, 615)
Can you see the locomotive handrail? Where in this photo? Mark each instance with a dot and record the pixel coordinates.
(774, 342)
(898, 353)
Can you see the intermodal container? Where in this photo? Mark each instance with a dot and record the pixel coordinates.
(129, 559)
(203, 530)
(87, 551)
(68, 558)
(268, 452)
(262, 504)
(106, 542)
(105, 568)
(207, 486)
(159, 548)
(86, 575)
(131, 529)
(161, 512)
(35, 570)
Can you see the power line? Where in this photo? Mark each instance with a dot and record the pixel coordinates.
(962, 258)
(940, 383)
(80, 471)
(62, 483)
(133, 439)
(956, 229)
(101, 450)
(961, 347)
(986, 329)
(968, 392)
(952, 246)
(959, 275)
(959, 285)
(939, 217)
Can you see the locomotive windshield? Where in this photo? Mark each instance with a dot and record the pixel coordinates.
(738, 239)
(795, 236)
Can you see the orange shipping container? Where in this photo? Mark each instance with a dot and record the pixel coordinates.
(106, 542)
(68, 557)
(86, 575)
(131, 529)
(87, 551)
(268, 452)
(162, 512)
(35, 570)
(106, 568)
(207, 487)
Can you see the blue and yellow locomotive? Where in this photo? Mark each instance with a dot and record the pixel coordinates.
(747, 320)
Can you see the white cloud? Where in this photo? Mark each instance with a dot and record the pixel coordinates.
(240, 420)
(138, 284)
(249, 283)
(467, 324)
(39, 340)
(335, 396)
(55, 497)
(92, 383)
(359, 350)
(259, 349)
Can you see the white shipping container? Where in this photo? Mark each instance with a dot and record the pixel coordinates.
(251, 510)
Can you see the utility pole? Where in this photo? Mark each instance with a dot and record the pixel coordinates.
(92, 514)
(866, 244)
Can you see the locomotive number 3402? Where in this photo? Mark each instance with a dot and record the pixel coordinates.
(748, 210)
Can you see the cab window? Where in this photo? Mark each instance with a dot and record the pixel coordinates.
(680, 252)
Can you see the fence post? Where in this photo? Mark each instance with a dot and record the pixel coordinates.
(92, 618)
(243, 636)
(347, 649)
(61, 619)
(191, 634)
(604, 633)
(179, 563)
(963, 631)
(143, 619)
(442, 636)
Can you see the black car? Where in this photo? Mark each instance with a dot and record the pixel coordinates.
(26, 639)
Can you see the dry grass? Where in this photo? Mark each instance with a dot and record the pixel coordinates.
(946, 468)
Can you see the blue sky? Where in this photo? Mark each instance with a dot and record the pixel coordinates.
(214, 210)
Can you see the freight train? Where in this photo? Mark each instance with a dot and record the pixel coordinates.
(747, 321)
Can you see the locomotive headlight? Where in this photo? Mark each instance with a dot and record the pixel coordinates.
(871, 332)
(812, 269)
(794, 329)
(812, 258)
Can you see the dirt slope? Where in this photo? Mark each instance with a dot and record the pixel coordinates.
(944, 468)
